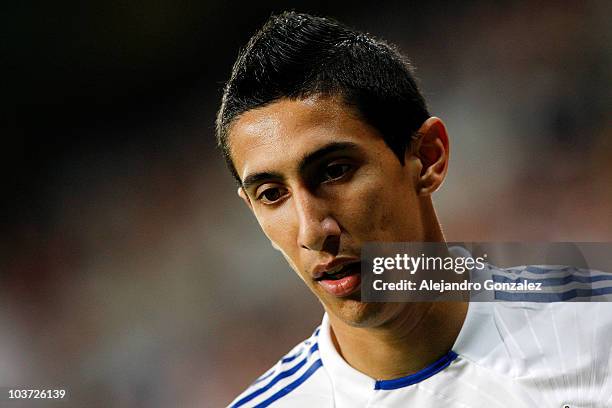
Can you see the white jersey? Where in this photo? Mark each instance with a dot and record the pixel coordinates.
(507, 355)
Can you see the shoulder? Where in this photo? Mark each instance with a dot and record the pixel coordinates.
(554, 283)
(532, 340)
(296, 380)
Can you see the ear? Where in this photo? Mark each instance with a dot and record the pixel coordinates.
(242, 194)
(431, 147)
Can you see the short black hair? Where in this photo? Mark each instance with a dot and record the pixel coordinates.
(297, 55)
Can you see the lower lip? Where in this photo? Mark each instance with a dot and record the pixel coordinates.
(342, 287)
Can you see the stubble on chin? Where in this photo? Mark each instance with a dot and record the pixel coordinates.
(355, 313)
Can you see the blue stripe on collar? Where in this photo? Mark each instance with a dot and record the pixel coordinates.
(419, 376)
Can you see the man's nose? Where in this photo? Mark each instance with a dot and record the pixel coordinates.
(318, 230)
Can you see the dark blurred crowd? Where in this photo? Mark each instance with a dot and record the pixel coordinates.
(132, 276)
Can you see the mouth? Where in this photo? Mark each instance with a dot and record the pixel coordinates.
(342, 280)
(339, 272)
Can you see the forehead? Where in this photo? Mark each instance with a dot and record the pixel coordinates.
(278, 135)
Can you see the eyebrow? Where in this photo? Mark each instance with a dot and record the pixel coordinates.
(304, 163)
(256, 178)
(323, 151)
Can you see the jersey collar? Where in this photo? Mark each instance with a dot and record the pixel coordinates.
(355, 388)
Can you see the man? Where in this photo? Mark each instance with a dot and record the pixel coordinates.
(332, 146)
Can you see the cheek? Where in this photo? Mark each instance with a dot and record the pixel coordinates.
(377, 211)
(276, 231)
(278, 228)
(281, 240)
(362, 210)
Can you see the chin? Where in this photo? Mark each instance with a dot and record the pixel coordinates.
(366, 315)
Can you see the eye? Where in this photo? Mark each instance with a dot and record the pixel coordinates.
(271, 195)
(335, 171)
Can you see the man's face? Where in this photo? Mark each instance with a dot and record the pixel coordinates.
(321, 183)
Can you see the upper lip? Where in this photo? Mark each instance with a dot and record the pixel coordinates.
(337, 263)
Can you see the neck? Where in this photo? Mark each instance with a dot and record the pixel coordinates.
(433, 233)
(419, 335)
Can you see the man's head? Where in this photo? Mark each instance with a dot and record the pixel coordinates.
(294, 56)
(332, 146)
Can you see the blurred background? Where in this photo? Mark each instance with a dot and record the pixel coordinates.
(130, 273)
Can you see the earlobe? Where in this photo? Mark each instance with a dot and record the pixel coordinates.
(242, 194)
(432, 149)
